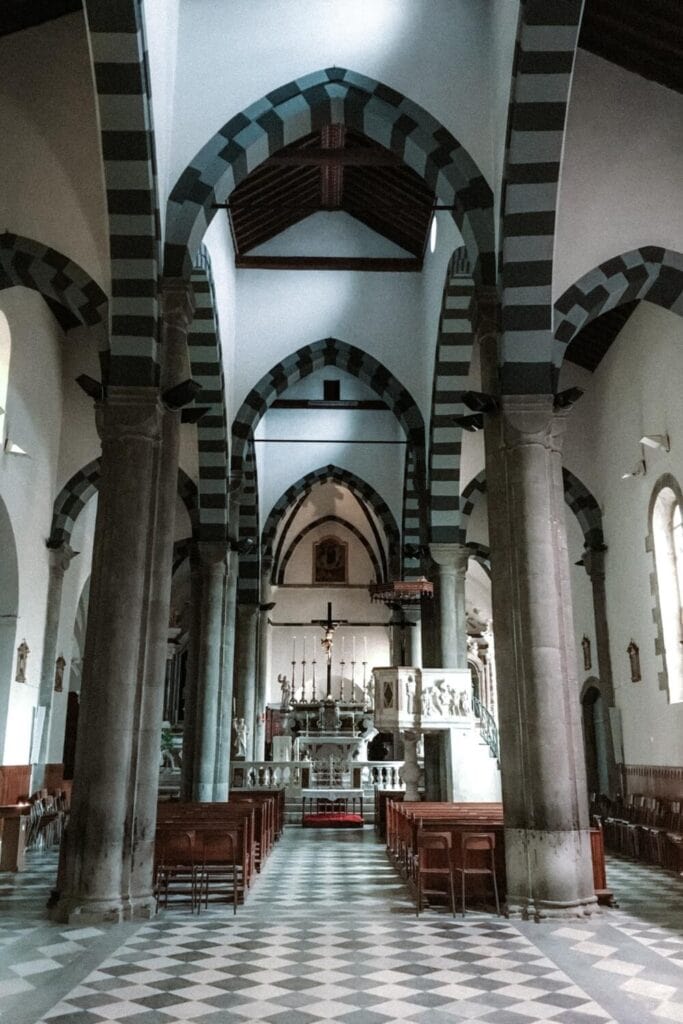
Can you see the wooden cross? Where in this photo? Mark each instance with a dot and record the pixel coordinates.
(329, 625)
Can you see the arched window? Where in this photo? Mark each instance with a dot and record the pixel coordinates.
(667, 536)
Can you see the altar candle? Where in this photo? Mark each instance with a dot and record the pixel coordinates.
(365, 648)
(343, 646)
(354, 647)
(304, 657)
(293, 648)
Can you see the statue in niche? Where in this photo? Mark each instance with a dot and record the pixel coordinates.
(633, 652)
(586, 648)
(285, 691)
(60, 665)
(330, 561)
(22, 657)
(241, 731)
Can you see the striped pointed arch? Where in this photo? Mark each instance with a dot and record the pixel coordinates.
(294, 497)
(329, 96)
(321, 521)
(122, 83)
(577, 496)
(547, 36)
(451, 371)
(72, 295)
(204, 347)
(84, 484)
(248, 586)
(308, 359)
(650, 273)
(414, 525)
(481, 553)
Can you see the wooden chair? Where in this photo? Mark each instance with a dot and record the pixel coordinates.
(176, 867)
(482, 845)
(429, 846)
(219, 865)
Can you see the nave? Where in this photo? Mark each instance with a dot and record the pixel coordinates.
(329, 933)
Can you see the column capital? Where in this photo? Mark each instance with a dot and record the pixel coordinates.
(212, 554)
(129, 413)
(532, 420)
(177, 301)
(451, 556)
(594, 562)
(60, 556)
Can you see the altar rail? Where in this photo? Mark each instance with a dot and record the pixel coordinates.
(301, 774)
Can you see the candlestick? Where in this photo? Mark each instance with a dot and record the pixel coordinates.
(313, 693)
(341, 682)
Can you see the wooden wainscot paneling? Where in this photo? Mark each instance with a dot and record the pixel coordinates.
(660, 781)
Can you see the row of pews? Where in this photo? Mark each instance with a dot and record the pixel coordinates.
(408, 826)
(212, 851)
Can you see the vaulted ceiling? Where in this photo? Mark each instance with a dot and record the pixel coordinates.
(16, 15)
(335, 168)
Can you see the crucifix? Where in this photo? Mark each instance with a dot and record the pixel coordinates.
(329, 625)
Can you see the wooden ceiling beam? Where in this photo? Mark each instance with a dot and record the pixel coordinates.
(358, 263)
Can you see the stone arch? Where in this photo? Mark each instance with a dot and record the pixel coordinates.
(303, 362)
(212, 430)
(279, 570)
(9, 609)
(72, 295)
(451, 370)
(329, 96)
(481, 553)
(77, 492)
(547, 37)
(364, 493)
(122, 83)
(649, 273)
(577, 496)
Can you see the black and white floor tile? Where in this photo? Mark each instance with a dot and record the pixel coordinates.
(329, 934)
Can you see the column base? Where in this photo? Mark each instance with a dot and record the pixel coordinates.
(549, 874)
(75, 910)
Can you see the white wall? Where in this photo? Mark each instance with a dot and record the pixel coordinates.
(621, 172)
(635, 390)
(33, 421)
(328, 233)
(51, 179)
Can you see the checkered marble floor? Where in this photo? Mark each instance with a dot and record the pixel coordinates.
(328, 933)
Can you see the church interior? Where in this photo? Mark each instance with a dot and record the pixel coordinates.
(341, 511)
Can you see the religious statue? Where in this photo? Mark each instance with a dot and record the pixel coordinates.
(426, 702)
(240, 727)
(411, 693)
(285, 690)
(22, 657)
(438, 696)
(453, 704)
(60, 665)
(586, 648)
(464, 703)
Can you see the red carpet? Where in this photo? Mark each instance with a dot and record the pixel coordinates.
(332, 821)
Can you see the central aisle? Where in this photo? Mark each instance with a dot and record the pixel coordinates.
(329, 933)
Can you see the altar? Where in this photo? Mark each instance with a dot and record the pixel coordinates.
(332, 808)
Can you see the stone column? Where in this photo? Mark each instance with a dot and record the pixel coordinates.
(177, 307)
(59, 561)
(594, 564)
(245, 669)
(224, 746)
(99, 836)
(547, 842)
(190, 719)
(210, 663)
(263, 672)
(451, 562)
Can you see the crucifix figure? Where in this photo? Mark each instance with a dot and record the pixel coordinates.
(329, 625)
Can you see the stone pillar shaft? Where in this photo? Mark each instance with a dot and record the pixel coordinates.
(60, 560)
(209, 668)
(98, 845)
(451, 561)
(263, 677)
(224, 745)
(547, 839)
(245, 669)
